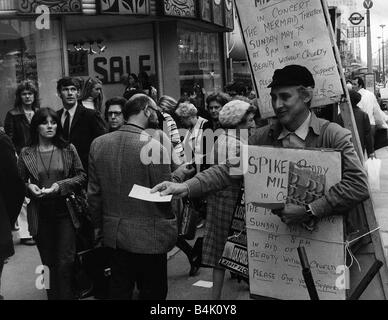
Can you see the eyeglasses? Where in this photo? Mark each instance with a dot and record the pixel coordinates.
(115, 113)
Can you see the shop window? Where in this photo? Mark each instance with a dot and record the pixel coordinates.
(200, 62)
(28, 53)
(110, 54)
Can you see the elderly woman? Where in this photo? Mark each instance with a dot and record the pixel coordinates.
(237, 118)
(192, 142)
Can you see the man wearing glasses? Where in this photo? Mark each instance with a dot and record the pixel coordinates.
(139, 232)
(114, 113)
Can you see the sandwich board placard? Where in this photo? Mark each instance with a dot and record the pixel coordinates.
(281, 33)
(275, 176)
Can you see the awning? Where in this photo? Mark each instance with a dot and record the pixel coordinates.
(235, 43)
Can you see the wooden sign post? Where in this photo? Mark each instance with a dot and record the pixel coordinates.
(280, 33)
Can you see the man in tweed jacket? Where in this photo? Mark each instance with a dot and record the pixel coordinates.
(139, 232)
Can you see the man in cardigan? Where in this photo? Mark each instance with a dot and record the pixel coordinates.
(12, 191)
(139, 232)
(297, 127)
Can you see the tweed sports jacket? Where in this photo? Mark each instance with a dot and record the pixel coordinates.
(74, 181)
(345, 195)
(117, 161)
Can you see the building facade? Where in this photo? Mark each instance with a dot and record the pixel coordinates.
(179, 44)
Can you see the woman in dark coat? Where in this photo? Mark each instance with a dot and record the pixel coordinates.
(18, 119)
(12, 192)
(52, 170)
(17, 127)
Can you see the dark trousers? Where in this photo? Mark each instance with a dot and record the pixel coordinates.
(373, 133)
(56, 244)
(148, 271)
(1, 269)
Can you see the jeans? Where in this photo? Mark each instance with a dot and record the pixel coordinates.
(148, 271)
(56, 244)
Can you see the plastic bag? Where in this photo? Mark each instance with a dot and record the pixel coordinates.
(373, 167)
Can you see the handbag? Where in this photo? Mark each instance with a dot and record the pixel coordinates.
(188, 226)
(373, 167)
(92, 273)
(78, 207)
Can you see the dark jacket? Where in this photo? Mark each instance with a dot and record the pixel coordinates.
(17, 127)
(86, 125)
(75, 179)
(363, 128)
(12, 193)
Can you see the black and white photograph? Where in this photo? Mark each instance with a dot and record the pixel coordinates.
(194, 156)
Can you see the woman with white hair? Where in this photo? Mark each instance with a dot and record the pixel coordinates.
(192, 142)
(237, 118)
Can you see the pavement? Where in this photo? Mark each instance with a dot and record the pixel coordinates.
(379, 199)
(19, 274)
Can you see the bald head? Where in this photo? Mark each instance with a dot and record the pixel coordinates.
(136, 104)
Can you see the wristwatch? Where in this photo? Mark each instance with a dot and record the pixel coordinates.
(308, 210)
(311, 223)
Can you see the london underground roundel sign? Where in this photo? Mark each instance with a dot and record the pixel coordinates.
(356, 18)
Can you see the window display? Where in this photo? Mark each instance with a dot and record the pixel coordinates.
(28, 53)
(200, 62)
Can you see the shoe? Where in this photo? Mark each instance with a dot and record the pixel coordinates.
(28, 241)
(194, 269)
(200, 224)
(195, 264)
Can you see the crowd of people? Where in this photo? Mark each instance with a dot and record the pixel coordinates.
(104, 150)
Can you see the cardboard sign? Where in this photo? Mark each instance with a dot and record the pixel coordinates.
(235, 255)
(274, 266)
(281, 33)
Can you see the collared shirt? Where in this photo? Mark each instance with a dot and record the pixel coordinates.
(296, 139)
(71, 112)
(369, 104)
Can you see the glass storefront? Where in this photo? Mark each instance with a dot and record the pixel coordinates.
(29, 53)
(200, 61)
(38, 55)
(126, 49)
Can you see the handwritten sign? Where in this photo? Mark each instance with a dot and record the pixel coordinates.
(274, 266)
(235, 255)
(279, 33)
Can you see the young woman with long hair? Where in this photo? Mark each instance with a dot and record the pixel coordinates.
(52, 169)
(91, 94)
(17, 127)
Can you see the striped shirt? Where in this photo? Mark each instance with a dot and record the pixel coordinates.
(173, 133)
